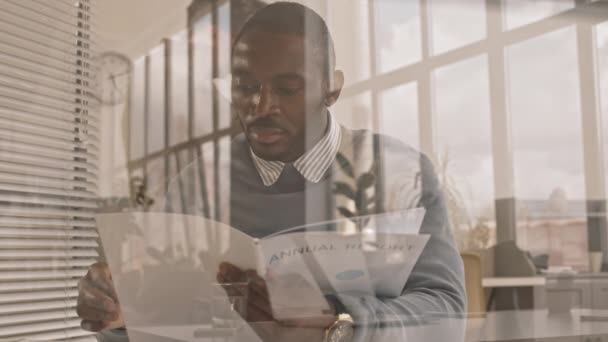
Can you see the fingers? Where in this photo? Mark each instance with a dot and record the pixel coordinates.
(97, 300)
(93, 326)
(100, 277)
(228, 273)
(88, 313)
(257, 314)
(90, 296)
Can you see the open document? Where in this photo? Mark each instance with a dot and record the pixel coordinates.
(164, 266)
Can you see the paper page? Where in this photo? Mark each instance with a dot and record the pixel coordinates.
(164, 265)
(339, 263)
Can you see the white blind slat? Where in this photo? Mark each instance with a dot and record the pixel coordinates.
(37, 327)
(50, 233)
(35, 275)
(37, 296)
(42, 264)
(37, 285)
(49, 137)
(29, 307)
(47, 253)
(36, 317)
(45, 243)
(61, 184)
(47, 222)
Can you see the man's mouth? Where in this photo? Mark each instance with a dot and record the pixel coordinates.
(266, 135)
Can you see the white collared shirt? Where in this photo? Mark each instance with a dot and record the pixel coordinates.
(312, 165)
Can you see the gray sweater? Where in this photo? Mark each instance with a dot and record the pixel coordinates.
(406, 179)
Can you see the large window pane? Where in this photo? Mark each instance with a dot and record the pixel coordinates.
(203, 117)
(224, 119)
(456, 23)
(156, 100)
(464, 145)
(137, 121)
(348, 21)
(178, 122)
(397, 33)
(601, 34)
(155, 183)
(399, 113)
(523, 12)
(548, 153)
(354, 112)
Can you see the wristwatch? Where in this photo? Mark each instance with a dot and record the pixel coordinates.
(342, 330)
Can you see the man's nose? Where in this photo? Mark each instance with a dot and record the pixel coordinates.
(265, 102)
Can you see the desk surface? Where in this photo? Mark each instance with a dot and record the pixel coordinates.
(495, 326)
(514, 281)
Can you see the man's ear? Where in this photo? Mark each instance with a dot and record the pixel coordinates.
(336, 83)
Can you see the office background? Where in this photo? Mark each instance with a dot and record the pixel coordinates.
(103, 103)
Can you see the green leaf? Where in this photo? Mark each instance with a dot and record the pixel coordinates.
(342, 188)
(361, 202)
(345, 212)
(366, 181)
(345, 165)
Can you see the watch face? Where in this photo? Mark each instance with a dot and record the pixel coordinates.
(342, 332)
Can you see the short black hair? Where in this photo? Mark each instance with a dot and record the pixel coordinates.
(297, 19)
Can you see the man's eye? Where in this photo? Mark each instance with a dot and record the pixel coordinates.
(287, 91)
(247, 88)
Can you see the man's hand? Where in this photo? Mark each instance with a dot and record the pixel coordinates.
(258, 303)
(97, 300)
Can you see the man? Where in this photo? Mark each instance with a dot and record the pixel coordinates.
(282, 175)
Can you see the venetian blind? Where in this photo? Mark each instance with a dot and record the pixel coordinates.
(48, 153)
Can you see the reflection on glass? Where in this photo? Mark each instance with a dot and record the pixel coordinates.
(601, 35)
(456, 23)
(224, 169)
(155, 183)
(156, 100)
(399, 113)
(178, 122)
(464, 160)
(203, 117)
(354, 112)
(137, 120)
(224, 120)
(397, 33)
(519, 13)
(549, 178)
(204, 189)
(351, 41)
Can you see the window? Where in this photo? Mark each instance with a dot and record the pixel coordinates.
(601, 35)
(156, 100)
(519, 13)
(464, 134)
(352, 43)
(399, 113)
(456, 23)
(547, 143)
(48, 165)
(203, 115)
(397, 28)
(137, 117)
(354, 112)
(178, 122)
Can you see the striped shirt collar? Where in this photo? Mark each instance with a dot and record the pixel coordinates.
(312, 165)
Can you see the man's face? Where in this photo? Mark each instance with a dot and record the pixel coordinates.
(278, 95)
